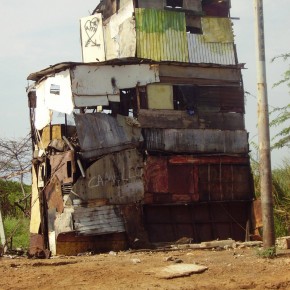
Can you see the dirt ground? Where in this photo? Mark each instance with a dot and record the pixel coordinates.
(239, 268)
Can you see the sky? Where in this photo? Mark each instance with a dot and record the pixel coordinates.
(37, 34)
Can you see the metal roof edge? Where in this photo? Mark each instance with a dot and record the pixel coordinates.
(36, 76)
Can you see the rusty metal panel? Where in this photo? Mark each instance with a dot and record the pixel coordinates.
(101, 134)
(63, 166)
(173, 119)
(196, 141)
(157, 4)
(73, 244)
(210, 52)
(167, 119)
(116, 177)
(156, 174)
(221, 121)
(198, 222)
(98, 220)
(210, 99)
(227, 99)
(161, 35)
(100, 80)
(201, 160)
(54, 195)
(133, 221)
(194, 5)
(178, 179)
(216, 8)
(197, 75)
(219, 182)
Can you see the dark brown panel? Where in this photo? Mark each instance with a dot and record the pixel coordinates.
(70, 244)
(199, 222)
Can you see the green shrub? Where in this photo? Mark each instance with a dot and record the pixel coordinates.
(17, 232)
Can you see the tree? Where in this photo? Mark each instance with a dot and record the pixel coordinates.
(282, 138)
(15, 164)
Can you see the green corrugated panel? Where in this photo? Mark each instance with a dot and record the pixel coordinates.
(161, 35)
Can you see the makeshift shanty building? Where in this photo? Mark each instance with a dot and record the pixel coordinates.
(143, 142)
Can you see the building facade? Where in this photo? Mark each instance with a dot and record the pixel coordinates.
(144, 142)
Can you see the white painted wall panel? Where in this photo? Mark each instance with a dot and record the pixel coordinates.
(108, 80)
(92, 38)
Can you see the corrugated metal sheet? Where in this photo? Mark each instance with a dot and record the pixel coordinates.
(197, 75)
(173, 119)
(98, 220)
(101, 134)
(210, 52)
(161, 35)
(206, 99)
(116, 178)
(196, 141)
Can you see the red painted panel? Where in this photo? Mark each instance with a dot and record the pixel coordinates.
(156, 174)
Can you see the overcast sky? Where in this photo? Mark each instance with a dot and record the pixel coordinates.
(36, 34)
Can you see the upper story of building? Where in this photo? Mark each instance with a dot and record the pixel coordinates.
(187, 31)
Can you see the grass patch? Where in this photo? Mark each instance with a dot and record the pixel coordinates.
(268, 253)
(17, 232)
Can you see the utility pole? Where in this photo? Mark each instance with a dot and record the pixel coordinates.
(264, 132)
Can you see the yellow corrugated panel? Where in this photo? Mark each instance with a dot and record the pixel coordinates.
(161, 35)
(217, 29)
(160, 96)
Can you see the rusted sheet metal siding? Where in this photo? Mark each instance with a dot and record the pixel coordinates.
(195, 75)
(98, 220)
(180, 179)
(73, 244)
(196, 141)
(161, 35)
(63, 166)
(210, 52)
(101, 134)
(199, 222)
(116, 177)
(172, 119)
